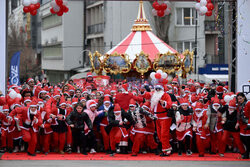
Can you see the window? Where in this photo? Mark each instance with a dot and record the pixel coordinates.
(51, 21)
(185, 16)
(182, 46)
(54, 51)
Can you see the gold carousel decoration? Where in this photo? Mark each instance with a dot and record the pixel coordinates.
(96, 62)
(187, 63)
(142, 63)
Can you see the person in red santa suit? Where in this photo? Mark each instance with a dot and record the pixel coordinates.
(31, 85)
(90, 81)
(214, 113)
(59, 125)
(30, 120)
(117, 127)
(2, 99)
(244, 112)
(160, 104)
(104, 122)
(183, 128)
(7, 129)
(230, 121)
(139, 130)
(199, 121)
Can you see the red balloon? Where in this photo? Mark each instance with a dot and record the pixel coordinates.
(158, 76)
(208, 1)
(59, 2)
(52, 11)
(60, 13)
(156, 5)
(32, 7)
(165, 81)
(33, 12)
(26, 9)
(198, 1)
(163, 6)
(210, 6)
(37, 5)
(160, 13)
(65, 9)
(209, 13)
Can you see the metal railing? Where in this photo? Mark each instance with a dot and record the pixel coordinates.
(96, 28)
(210, 26)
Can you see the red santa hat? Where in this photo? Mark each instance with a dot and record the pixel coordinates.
(219, 89)
(71, 88)
(117, 108)
(29, 80)
(89, 74)
(106, 92)
(132, 103)
(125, 88)
(225, 88)
(159, 86)
(113, 90)
(186, 90)
(175, 104)
(101, 91)
(33, 103)
(92, 103)
(192, 89)
(106, 99)
(88, 86)
(66, 93)
(62, 102)
(232, 104)
(147, 96)
(74, 100)
(83, 99)
(48, 95)
(175, 80)
(190, 82)
(84, 91)
(40, 101)
(184, 101)
(215, 100)
(197, 84)
(199, 106)
(38, 83)
(56, 94)
(146, 105)
(6, 108)
(26, 99)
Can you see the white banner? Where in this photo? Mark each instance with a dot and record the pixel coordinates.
(243, 44)
(2, 45)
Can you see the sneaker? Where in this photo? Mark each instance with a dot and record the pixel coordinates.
(134, 154)
(157, 152)
(92, 151)
(46, 153)
(3, 150)
(189, 152)
(201, 155)
(84, 153)
(16, 150)
(164, 154)
(212, 153)
(112, 153)
(61, 152)
(221, 155)
(245, 155)
(118, 150)
(22, 148)
(78, 150)
(144, 152)
(31, 154)
(179, 152)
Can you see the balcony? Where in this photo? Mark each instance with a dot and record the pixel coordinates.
(96, 28)
(214, 59)
(211, 28)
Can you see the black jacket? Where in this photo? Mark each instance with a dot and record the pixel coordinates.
(78, 120)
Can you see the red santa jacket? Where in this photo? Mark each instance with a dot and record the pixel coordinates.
(161, 110)
(50, 105)
(2, 100)
(200, 122)
(246, 115)
(123, 99)
(6, 125)
(25, 119)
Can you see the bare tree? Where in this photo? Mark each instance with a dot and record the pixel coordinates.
(17, 42)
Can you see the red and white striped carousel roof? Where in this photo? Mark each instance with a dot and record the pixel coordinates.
(138, 41)
(141, 39)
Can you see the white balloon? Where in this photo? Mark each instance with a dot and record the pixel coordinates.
(167, 11)
(159, 71)
(152, 75)
(248, 96)
(168, 3)
(33, 1)
(13, 94)
(56, 8)
(197, 6)
(154, 12)
(201, 14)
(203, 2)
(164, 75)
(19, 96)
(26, 2)
(203, 9)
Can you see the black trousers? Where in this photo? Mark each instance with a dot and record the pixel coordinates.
(246, 141)
(82, 140)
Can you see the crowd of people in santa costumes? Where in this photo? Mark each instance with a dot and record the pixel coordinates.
(160, 117)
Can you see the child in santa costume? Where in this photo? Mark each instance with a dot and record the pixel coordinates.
(160, 104)
(183, 129)
(7, 129)
(199, 121)
(117, 127)
(30, 120)
(139, 130)
(231, 127)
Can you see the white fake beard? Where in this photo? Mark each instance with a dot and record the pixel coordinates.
(199, 114)
(156, 97)
(230, 111)
(33, 113)
(106, 108)
(118, 117)
(215, 108)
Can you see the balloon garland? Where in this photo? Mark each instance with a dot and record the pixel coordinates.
(161, 8)
(59, 7)
(31, 6)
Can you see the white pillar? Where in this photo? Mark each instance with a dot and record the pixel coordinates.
(243, 44)
(3, 12)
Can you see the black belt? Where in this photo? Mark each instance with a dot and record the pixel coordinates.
(26, 125)
(160, 112)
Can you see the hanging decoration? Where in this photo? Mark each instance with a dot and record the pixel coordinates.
(161, 8)
(204, 7)
(59, 7)
(31, 6)
(142, 63)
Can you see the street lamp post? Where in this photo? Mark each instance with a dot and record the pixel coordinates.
(195, 51)
(84, 59)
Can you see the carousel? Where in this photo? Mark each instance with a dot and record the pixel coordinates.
(140, 53)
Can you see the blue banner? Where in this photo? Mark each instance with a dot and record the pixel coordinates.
(14, 69)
